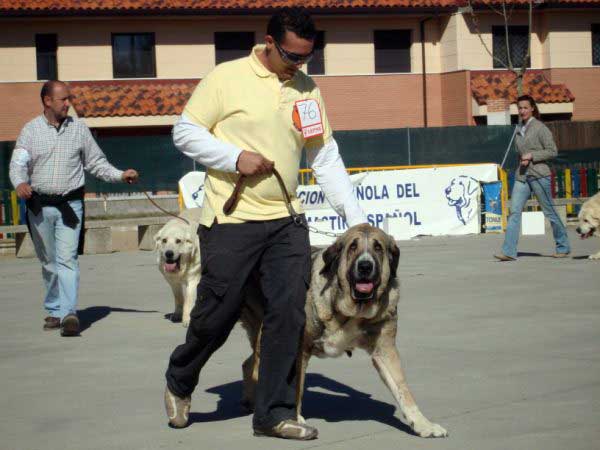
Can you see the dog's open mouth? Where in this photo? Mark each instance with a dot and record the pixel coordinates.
(588, 234)
(363, 290)
(172, 266)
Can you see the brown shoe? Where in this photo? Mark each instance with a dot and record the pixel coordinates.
(178, 409)
(503, 257)
(51, 323)
(69, 326)
(289, 429)
(561, 255)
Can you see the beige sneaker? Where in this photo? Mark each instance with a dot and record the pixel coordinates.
(289, 429)
(178, 409)
(503, 257)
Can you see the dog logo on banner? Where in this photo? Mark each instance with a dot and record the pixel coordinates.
(191, 187)
(460, 195)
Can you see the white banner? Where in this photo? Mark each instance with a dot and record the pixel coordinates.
(433, 201)
(406, 203)
(191, 187)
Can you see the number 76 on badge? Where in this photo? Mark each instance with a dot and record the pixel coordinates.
(309, 114)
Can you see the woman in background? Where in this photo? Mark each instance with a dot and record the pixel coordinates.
(535, 146)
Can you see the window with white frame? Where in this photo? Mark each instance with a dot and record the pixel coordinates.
(316, 66)
(46, 46)
(133, 55)
(230, 45)
(518, 41)
(392, 50)
(596, 44)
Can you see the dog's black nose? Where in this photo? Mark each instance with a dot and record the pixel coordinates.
(578, 230)
(169, 254)
(448, 190)
(365, 267)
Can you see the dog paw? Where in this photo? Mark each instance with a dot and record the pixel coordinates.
(427, 429)
(595, 256)
(186, 322)
(300, 419)
(176, 317)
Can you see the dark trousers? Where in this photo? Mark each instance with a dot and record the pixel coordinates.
(279, 252)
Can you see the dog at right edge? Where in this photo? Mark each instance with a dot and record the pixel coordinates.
(351, 303)
(589, 220)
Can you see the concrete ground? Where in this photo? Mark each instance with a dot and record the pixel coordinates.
(504, 355)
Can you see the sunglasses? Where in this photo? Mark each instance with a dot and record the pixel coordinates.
(293, 58)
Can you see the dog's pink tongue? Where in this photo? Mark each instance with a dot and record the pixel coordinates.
(170, 267)
(365, 288)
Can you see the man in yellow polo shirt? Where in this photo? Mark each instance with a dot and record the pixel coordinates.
(245, 118)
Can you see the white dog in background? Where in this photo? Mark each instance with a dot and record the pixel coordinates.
(179, 261)
(589, 220)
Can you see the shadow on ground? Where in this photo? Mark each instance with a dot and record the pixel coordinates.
(340, 403)
(93, 314)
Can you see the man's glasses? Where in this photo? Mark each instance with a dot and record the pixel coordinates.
(293, 58)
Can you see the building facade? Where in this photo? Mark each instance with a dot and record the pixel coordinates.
(132, 64)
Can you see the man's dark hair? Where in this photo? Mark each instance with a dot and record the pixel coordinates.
(48, 87)
(296, 20)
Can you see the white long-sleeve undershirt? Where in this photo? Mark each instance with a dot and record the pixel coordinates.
(196, 142)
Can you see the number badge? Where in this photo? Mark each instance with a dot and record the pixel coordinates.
(307, 118)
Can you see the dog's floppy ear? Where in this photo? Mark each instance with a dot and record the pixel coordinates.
(472, 185)
(331, 258)
(395, 256)
(157, 238)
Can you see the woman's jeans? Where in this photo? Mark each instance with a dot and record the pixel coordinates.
(520, 194)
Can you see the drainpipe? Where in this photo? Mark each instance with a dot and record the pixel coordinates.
(424, 71)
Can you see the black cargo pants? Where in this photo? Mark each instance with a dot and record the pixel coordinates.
(279, 251)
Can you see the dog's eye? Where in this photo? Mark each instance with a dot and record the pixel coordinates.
(353, 246)
(378, 247)
(178, 241)
(164, 240)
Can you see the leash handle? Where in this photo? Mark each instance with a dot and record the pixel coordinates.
(231, 202)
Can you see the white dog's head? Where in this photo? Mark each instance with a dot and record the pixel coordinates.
(460, 189)
(176, 244)
(589, 218)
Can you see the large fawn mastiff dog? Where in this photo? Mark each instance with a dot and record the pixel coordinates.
(351, 303)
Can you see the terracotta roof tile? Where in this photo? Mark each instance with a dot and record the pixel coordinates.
(493, 85)
(59, 6)
(99, 6)
(523, 2)
(131, 97)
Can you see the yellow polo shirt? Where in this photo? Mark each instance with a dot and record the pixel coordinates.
(244, 104)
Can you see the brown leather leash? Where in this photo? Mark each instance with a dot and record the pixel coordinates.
(231, 202)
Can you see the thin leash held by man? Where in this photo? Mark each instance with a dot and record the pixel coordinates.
(246, 117)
